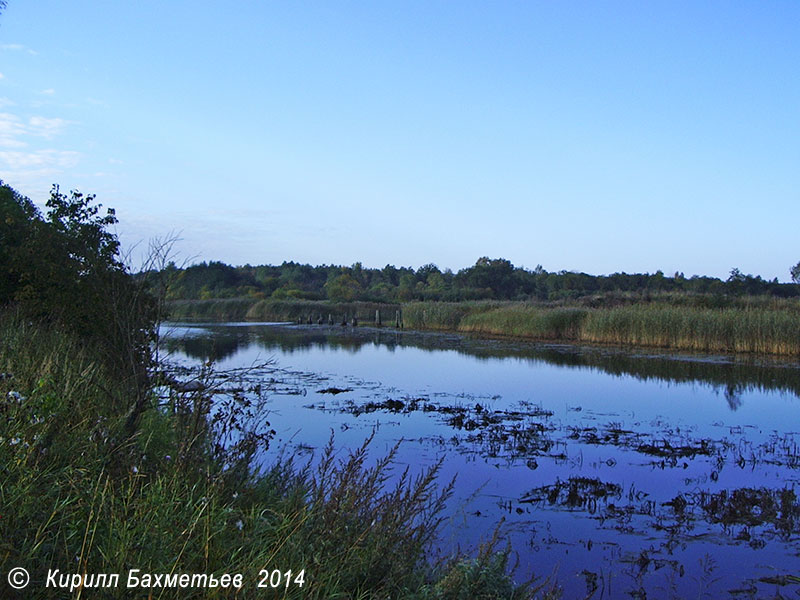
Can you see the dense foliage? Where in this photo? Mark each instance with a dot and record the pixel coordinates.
(487, 279)
(64, 269)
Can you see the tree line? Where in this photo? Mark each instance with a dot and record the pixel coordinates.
(487, 279)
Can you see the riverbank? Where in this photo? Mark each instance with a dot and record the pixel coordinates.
(756, 327)
(306, 311)
(84, 492)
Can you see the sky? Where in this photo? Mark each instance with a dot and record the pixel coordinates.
(592, 136)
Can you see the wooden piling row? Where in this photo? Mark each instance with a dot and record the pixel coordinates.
(352, 321)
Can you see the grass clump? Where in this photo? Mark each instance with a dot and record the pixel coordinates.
(527, 321)
(484, 577)
(446, 316)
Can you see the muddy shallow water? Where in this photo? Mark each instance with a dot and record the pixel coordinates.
(628, 474)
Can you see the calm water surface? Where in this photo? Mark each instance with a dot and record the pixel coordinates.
(628, 474)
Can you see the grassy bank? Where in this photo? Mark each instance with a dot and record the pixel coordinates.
(250, 309)
(766, 329)
(218, 309)
(82, 494)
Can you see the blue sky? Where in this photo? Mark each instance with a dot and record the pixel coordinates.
(591, 136)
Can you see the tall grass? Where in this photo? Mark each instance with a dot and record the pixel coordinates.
(251, 309)
(303, 310)
(80, 494)
(442, 315)
(759, 328)
(218, 309)
(526, 321)
(761, 331)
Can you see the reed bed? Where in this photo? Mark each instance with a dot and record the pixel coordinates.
(445, 316)
(708, 330)
(314, 310)
(218, 309)
(526, 321)
(761, 329)
(251, 309)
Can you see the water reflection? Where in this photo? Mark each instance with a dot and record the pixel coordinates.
(639, 474)
(730, 376)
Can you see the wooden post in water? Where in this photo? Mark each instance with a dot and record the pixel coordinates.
(319, 321)
(355, 321)
(344, 320)
(377, 317)
(397, 319)
(330, 319)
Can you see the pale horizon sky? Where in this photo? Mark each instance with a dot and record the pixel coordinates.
(592, 136)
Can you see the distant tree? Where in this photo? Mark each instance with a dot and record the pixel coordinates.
(795, 273)
(496, 275)
(343, 288)
(406, 289)
(736, 275)
(426, 270)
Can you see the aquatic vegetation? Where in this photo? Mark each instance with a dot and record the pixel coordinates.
(334, 390)
(576, 492)
(763, 330)
(648, 490)
(751, 507)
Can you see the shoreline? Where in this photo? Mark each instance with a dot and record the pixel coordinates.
(773, 332)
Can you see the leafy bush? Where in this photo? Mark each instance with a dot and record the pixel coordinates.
(65, 269)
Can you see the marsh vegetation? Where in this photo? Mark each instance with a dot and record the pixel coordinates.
(644, 473)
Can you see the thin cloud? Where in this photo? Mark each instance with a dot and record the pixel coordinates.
(18, 48)
(41, 159)
(23, 161)
(11, 128)
(48, 92)
(47, 128)
(33, 173)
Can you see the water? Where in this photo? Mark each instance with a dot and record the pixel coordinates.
(624, 473)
